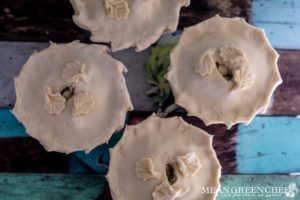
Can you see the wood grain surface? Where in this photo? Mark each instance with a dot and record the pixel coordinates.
(286, 99)
(27, 155)
(50, 186)
(87, 187)
(281, 21)
(44, 20)
(51, 20)
(268, 145)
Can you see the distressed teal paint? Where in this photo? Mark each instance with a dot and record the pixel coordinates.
(17, 186)
(231, 183)
(97, 160)
(282, 36)
(281, 21)
(91, 162)
(77, 166)
(94, 158)
(9, 125)
(269, 145)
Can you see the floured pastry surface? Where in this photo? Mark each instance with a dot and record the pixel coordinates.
(163, 159)
(72, 96)
(127, 23)
(223, 71)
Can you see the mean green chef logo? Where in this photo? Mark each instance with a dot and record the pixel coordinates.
(292, 190)
(267, 192)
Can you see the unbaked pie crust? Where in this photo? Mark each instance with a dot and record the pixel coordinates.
(127, 23)
(72, 96)
(223, 70)
(139, 162)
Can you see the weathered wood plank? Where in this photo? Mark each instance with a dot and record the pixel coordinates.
(135, 78)
(9, 125)
(50, 186)
(242, 149)
(269, 145)
(202, 10)
(14, 54)
(38, 20)
(260, 187)
(224, 143)
(44, 20)
(27, 155)
(77, 187)
(282, 29)
(286, 99)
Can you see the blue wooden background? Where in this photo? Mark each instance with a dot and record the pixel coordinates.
(269, 145)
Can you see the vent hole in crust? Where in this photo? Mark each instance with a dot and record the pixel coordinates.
(170, 172)
(224, 71)
(68, 92)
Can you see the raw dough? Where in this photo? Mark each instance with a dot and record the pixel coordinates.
(72, 96)
(154, 145)
(127, 23)
(223, 70)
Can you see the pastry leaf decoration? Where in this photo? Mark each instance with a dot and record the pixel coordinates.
(75, 72)
(145, 170)
(242, 79)
(54, 103)
(230, 62)
(117, 9)
(188, 164)
(83, 103)
(232, 57)
(205, 64)
(165, 191)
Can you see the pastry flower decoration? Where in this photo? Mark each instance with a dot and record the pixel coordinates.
(127, 23)
(165, 191)
(166, 168)
(83, 102)
(188, 164)
(205, 64)
(230, 62)
(145, 170)
(224, 71)
(75, 72)
(117, 9)
(54, 103)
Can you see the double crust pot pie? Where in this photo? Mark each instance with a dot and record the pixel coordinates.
(163, 159)
(72, 96)
(127, 23)
(223, 71)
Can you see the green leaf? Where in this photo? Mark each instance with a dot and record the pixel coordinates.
(156, 68)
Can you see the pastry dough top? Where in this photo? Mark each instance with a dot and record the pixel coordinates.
(127, 23)
(66, 123)
(223, 71)
(138, 163)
